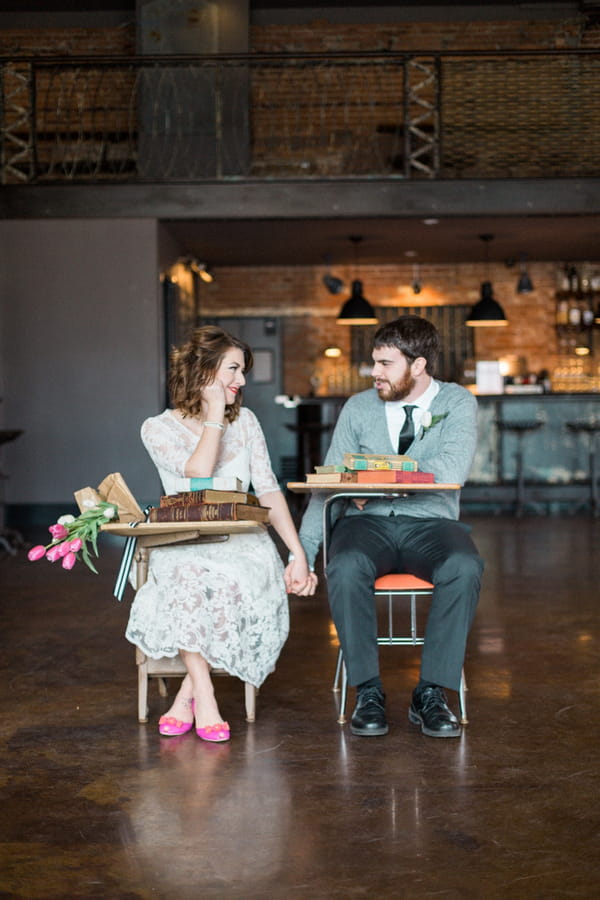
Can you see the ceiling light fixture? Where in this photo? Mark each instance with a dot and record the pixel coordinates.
(524, 284)
(333, 284)
(416, 282)
(356, 310)
(487, 311)
(199, 268)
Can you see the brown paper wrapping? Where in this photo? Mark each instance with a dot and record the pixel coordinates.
(113, 490)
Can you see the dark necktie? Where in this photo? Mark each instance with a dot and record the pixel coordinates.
(408, 431)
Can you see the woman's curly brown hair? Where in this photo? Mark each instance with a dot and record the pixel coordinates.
(194, 364)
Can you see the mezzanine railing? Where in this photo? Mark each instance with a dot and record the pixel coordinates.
(418, 115)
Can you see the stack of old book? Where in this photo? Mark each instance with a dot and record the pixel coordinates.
(371, 468)
(209, 505)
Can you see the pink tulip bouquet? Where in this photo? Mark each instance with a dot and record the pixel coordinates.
(70, 536)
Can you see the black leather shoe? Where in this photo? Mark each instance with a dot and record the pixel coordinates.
(429, 709)
(368, 717)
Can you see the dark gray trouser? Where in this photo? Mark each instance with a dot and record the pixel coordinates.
(363, 547)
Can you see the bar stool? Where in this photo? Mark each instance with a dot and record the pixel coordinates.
(309, 445)
(10, 539)
(590, 428)
(520, 428)
(394, 586)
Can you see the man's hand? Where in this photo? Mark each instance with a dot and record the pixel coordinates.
(298, 579)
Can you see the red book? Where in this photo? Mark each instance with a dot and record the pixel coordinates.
(378, 476)
(393, 476)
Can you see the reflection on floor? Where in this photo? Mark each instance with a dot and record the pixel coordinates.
(95, 805)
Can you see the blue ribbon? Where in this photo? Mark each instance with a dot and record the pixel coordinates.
(126, 560)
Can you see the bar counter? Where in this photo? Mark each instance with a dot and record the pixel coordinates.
(556, 459)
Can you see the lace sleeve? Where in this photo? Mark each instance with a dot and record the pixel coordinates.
(167, 451)
(261, 472)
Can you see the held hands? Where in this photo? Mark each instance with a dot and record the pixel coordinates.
(299, 580)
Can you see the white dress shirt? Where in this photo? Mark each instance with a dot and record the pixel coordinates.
(395, 414)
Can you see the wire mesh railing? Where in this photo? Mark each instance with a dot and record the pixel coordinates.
(383, 115)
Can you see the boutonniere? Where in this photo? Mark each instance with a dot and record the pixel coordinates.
(428, 421)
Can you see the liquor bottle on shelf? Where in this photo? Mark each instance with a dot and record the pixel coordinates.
(585, 280)
(562, 312)
(574, 284)
(577, 308)
(574, 313)
(587, 314)
(563, 296)
(595, 286)
(563, 283)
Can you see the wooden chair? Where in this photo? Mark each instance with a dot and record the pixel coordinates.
(394, 587)
(170, 667)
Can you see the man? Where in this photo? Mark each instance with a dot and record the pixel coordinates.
(433, 422)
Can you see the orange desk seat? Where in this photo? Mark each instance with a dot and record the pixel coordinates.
(393, 586)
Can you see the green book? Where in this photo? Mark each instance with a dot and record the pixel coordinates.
(217, 483)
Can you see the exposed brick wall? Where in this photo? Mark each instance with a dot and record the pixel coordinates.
(322, 36)
(298, 295)
(350, 120)
(489, 111)
(116, 41)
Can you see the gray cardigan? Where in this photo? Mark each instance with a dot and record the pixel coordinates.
(446, 449)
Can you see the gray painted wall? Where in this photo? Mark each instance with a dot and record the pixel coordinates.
(81, 354)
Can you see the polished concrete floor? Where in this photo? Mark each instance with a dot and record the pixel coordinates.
(95, 805)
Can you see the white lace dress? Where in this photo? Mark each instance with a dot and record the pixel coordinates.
(227, 600)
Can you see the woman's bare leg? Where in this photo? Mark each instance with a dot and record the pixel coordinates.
(181, 708)
(197, 685)
(206, 708)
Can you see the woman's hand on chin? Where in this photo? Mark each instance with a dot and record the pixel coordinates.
(215, 397)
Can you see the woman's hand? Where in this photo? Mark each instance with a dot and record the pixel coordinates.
(299, 580)
(214, 395)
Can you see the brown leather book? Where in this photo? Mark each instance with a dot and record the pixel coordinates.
(208, 495)
(209, 512)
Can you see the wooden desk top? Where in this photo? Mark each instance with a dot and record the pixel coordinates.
(143, 529)
(300, 487)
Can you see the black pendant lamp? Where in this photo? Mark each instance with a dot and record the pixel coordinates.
(487, 311)
(357, 310)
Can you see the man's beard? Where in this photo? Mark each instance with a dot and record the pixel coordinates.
(397, 391)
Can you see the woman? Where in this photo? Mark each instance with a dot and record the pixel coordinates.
(224, 604)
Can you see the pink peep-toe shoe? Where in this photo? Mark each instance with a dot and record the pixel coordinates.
(169, 726)
(214, 733)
